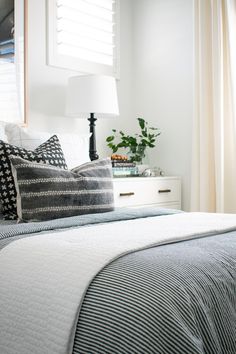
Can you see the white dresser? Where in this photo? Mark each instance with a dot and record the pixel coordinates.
(164, 192)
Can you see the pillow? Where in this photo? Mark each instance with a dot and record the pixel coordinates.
(50, 152)
(75, 146)
(46, 192)
(2, 131)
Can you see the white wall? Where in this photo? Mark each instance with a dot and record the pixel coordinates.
(163, 80)
(47, 84)
(156, 80)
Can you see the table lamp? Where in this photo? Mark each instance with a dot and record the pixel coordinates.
(93, 95)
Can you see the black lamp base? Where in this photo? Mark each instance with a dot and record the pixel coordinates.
(92, 141)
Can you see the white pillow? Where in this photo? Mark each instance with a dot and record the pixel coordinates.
(75, 146)
(2, 131)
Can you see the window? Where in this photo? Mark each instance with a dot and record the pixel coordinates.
(83, 35)
(12, 61)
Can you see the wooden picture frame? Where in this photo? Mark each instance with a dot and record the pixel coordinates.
(13, 61)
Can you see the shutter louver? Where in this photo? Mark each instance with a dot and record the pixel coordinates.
(86, 30)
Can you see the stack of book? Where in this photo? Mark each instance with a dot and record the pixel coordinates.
(124, 168)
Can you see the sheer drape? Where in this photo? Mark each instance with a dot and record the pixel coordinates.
(214, 129)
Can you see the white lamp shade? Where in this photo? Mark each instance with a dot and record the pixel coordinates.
(92, 94)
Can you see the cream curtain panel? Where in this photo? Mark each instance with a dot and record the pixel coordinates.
(213, 187)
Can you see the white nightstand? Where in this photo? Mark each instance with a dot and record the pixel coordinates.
(164, 192)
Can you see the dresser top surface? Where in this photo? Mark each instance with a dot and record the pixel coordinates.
(142, 178)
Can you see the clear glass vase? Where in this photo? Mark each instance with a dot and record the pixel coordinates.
(137, 155)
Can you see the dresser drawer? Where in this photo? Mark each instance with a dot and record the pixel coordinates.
(138, 191)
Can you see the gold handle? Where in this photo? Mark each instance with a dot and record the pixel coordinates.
(164, 191)
(126, 194)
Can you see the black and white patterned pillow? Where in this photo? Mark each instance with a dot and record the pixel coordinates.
(46, 192)
(49, 152)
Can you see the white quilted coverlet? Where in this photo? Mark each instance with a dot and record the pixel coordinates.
(43, 278)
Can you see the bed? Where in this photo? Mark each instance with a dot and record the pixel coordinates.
(121, 282)
(78, 277)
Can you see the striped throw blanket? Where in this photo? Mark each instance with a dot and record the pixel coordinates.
(173, 299)
(177, 298)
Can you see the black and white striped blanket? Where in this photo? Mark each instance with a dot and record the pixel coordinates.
(177, 298)
(171, 299)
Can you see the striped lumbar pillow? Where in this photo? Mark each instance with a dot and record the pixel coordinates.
(45, 192)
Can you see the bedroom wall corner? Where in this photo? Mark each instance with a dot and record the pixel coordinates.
(163, 81)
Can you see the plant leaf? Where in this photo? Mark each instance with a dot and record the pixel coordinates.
(141, 123)
(110, 138)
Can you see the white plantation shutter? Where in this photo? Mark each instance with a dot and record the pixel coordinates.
(9, 98)
(83, 35)
(12, 71)
(12, 85)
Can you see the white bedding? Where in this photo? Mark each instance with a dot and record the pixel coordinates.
(43, 279)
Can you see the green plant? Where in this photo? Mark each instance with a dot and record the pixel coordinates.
(136, 144)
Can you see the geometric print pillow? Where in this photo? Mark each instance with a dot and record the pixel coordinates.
(49, 152)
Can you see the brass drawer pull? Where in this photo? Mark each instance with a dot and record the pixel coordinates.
(126, 194)
(164, 191)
